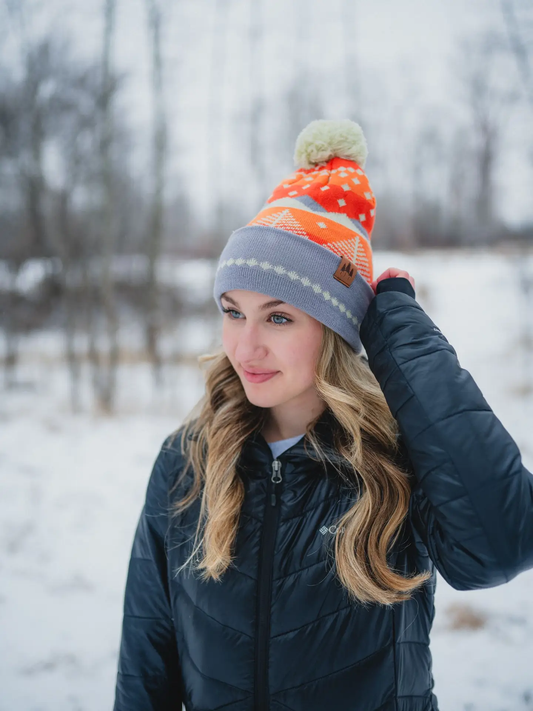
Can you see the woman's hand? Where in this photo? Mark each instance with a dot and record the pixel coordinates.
(392, 272)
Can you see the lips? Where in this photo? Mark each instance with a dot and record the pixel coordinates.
(259, 377)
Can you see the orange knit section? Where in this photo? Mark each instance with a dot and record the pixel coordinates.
(320, 229)
(340, 186)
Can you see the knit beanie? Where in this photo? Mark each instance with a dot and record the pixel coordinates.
(309, 245)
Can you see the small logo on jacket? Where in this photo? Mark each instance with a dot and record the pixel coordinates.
(330, 529)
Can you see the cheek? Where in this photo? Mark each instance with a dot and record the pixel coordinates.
(227, 341)
(302, 354)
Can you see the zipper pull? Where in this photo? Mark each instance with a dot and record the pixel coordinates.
(275, 478)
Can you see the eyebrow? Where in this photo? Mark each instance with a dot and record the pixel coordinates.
(263, 307)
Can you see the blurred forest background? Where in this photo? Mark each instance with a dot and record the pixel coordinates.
(135, 137)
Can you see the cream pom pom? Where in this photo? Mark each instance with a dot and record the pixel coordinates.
(322, 140)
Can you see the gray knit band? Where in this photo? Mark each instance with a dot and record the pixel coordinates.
(296, 270)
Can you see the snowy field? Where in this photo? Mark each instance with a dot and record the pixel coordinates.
(72, 488)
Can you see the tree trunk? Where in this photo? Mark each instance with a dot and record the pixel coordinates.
(155, 228)
(105, 356)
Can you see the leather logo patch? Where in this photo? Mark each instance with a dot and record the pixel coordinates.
(346, 272)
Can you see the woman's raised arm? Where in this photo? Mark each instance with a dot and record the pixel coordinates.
(473, 501)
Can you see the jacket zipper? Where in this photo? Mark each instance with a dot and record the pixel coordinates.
(272, 509)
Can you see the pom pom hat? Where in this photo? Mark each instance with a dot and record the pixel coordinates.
(309, 245)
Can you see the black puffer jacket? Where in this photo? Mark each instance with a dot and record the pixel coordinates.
(278, 631)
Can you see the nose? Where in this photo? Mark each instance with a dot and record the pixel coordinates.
(251, 347)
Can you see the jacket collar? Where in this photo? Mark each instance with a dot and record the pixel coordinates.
(256, 449)
(256, 446)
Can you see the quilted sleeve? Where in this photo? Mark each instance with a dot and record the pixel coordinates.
(472, 503)
(148, 676)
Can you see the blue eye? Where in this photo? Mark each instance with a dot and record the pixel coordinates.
(233, 311)
(227, 311)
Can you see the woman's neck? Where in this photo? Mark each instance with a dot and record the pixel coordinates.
(279, 427)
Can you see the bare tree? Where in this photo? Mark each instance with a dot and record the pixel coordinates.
(426, 206)
(104, 358)
(76, 148)
(257, 101)
(520, 34)
(520, 46)
(215, 117)
(37, 60)
(155, 227)
(489, 101)
(27, 106)
(352, 79)
(458, 195)
(302, 100)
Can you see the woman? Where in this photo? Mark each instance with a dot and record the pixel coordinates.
(287, 551)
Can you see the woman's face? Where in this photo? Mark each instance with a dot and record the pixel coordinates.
(263, 334)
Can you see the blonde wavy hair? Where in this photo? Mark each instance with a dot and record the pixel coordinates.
(365, 436)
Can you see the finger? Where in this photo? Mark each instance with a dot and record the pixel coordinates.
(388, 273)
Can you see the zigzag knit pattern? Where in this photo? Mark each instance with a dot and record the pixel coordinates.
(332, 205)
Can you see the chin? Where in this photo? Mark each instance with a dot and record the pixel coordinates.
(262, 399)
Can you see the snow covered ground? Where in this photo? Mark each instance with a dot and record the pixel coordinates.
(72, 487)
